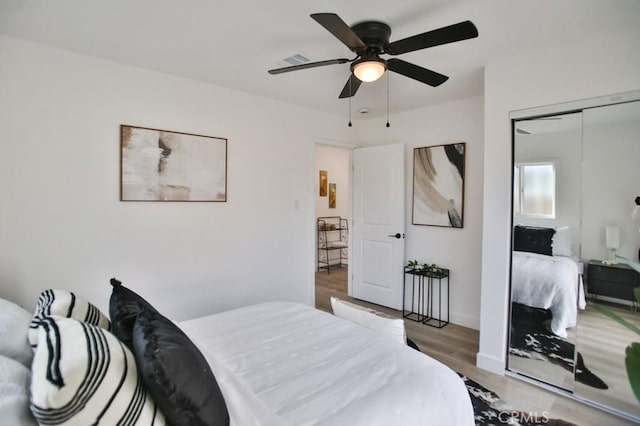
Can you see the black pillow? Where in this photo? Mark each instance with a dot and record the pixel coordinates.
(533, 239)
(175, 373)
(124, 306)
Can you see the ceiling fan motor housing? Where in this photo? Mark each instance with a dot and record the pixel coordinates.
(374, 34)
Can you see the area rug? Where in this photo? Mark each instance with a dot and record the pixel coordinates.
(490, 410)
(531, 339)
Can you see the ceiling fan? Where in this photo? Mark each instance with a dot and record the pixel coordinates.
(370, 39)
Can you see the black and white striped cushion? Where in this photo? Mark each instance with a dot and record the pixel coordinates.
(83, 375)
(64, 303)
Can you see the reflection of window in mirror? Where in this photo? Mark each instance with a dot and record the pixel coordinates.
(535, 190)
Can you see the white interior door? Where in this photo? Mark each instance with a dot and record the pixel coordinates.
(377, 251)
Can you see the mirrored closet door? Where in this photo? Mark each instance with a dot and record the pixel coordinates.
(573, 309)
(547, 159)
(611, 182)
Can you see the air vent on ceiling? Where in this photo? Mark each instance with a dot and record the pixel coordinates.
(296, 59)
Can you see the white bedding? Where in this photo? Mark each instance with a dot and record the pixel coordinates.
(283, 363)
(549, 282)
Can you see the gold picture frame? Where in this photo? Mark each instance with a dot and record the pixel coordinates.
(323, 183)
(332, 195)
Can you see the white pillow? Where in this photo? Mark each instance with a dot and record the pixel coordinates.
(14, 326)
(14, 393)
(64, 303)
(82, 375)
(373, 320)
(561, 241)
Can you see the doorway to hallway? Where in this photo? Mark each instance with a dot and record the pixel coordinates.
(332, 199)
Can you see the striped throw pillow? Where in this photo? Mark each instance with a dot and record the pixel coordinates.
(63, 303)
(82, 375)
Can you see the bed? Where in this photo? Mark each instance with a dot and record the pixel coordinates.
(545, 274)
(289, 364)
(278, 363)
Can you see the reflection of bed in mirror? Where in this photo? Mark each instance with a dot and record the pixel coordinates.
(549, 282)
(546, 276)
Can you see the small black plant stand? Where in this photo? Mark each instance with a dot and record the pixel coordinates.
(417, 285)
(420, 279)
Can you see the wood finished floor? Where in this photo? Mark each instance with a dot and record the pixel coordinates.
(602, 341)
(457, 346)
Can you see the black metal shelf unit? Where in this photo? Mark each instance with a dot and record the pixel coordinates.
(333, 242)
(417, 311)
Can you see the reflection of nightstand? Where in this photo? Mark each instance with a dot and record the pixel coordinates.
(616, 281)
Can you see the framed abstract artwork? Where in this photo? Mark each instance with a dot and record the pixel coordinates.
(161, 165)
(438, 185)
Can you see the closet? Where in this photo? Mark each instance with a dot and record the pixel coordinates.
(572, 311)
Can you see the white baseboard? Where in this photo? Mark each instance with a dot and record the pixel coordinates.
(465, 320)
(494, 365)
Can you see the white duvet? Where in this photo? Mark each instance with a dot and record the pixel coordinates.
(283, 363)
(549, 282)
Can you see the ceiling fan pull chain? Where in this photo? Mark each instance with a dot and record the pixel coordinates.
(350, 101)
(388, 125)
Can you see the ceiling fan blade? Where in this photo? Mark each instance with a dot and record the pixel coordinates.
(456, 32)
(309, 65)
(336, 26)
(416, 72)
(351, 87)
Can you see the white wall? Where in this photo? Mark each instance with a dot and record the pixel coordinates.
(456, 249)
(611, 179)
(62, 224)
(596, 66)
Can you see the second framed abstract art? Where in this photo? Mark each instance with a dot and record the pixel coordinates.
(332, 195)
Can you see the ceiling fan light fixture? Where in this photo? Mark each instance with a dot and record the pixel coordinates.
(369, 69)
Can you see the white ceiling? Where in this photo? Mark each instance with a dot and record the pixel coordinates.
(232, 43)
(552, 124)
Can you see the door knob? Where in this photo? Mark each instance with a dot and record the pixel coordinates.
(396, 235)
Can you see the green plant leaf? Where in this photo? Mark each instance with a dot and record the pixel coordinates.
(634, 265)
(617, 318)
(632, 363)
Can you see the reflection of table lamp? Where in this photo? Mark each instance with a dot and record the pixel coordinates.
(613, 242)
